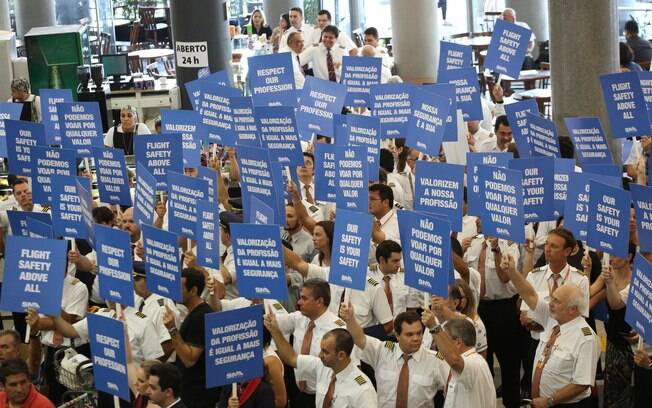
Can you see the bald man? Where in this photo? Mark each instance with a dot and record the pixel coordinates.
(371, 51)
(509, 14)
(130, 225)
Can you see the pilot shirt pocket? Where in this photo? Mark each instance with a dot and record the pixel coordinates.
(561, 361)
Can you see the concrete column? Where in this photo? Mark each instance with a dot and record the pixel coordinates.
(5, 22)
(415, 39)
(275, 8)
(356, 10)
(535, 13)
(201, 20)
(574, 40)
(34, 13)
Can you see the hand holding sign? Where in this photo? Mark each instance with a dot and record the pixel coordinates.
(346, 312)
(168, 319)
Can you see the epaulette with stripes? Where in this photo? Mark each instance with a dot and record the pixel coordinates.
(360, 380)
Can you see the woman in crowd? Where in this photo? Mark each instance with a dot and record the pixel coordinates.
(258, 26)
(140, 384)
(122, 135)
(20, 93)
(283, 24)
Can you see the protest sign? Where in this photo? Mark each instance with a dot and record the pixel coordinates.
(234, 346)
(244, 122)
(271, 80)
(576, 209)
(159, 154)
(542, 135)
(80, 125)
(21, 137)
(447, 91)
(623, 96)
(391, 104)
(114, 265)
(8, 111)
(86, 206)
(501, 195)
(319, 101)
(162, 262)
(215, 109)
(426, 247)
(365, 131)
(608, 223)
(256, 175)
(639, 304)
(473, 160)
(359, 74)
(439, 190)
(453, 56)
(352, 178)
(208, 234)
(112, 176)
(47, 162)
(67, 219)
(194, 88)
(507, 49)
(589, 139)
(325, 172)
(18, 221)
(517, 117)
(538, 187)
(145, 197)
(642, 198)
(38, 229)
(259, 261)
(193, 133)
(427, 122)
(278, 134)
(281, 177)
(34, 273)
(50, 113)
(467, 91)
(350, 249)
(645, 78)
(209, 176)
(610, 170)
(563, 169)
(259, 212)
(108, 350)
(184, 193)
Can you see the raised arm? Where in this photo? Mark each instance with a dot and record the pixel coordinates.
(444, 342)
(348, 315)
(523, 287)
(283, 348)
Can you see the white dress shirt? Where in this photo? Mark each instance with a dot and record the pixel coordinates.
(306, 30)
(317, 56)
(494, 288)
(474, 386)
(299, 78)
(343, 40)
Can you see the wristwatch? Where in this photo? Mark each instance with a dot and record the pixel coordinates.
(173, 331)
(436, 329)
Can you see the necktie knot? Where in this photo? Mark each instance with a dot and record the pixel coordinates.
(556, 330)
(311, 325)
(387, 278)
(406, 358)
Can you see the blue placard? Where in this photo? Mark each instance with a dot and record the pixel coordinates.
(271, 80)
(278, 134)
(350, 249)
(645, 78)
(439, 190)
(517, 117)
(259, 212)
(359, 74)
(50, 113)
(325, 172)
(8, 111)
(467, 91)
(194, 88)
(238, 356)
(623, 96)
(184, 193)
(589, 139)
(81, 126)
(642, 198)
(215, 109)
(160, 154)
(473, 160)
(67, 218)
(114, 265)
(256, 174)
(86, 205)
(193, 133)
(608, 228)
(509, 44)
(610, 170)
(501, 195)
(244, 122)
(162, 262)
(391, 104)
(543, 136)
(318, 102)
(637, 312)
(563, 169)
(341, 134)
(38, 229)
(18, 221)
(365, 131)
(208, 234)
(108, 350)
(259, 261)
(538, 187)
(352, 180)
(210, 176)
(47, 162)
(112, 176)
(427, 122)
(281, 176)
(447, 91)
(34, 272)
(145, 196)
(454, 56)
(21, 137)
(427, 241)
(576, 209)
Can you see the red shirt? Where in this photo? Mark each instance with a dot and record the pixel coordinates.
(34, 400)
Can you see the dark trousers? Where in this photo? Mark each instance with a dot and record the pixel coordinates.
(642, 387)
(528, 361)
(585, 403)
(296, 397)
(501, 320)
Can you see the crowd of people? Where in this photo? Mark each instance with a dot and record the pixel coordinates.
(528, 309)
